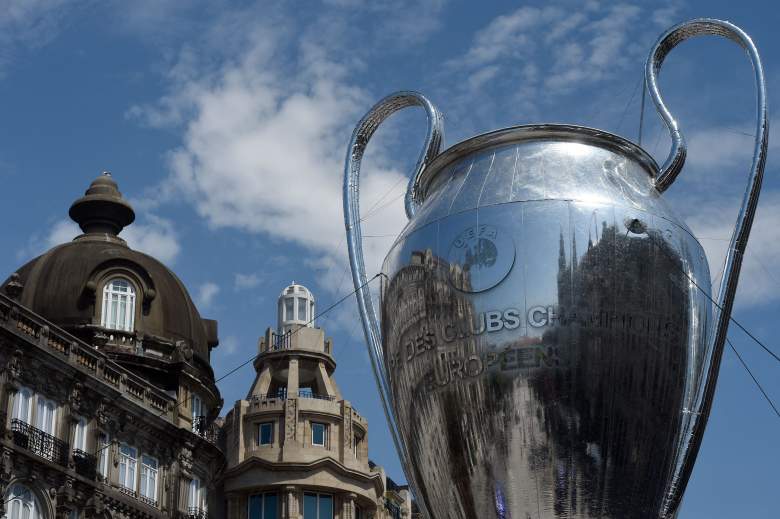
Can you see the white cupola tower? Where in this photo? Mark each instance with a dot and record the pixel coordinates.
(296, 308)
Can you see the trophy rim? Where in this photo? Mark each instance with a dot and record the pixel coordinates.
(530, 132)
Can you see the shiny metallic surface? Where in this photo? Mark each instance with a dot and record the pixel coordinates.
(564, 386)
(692, 437)
(548, 344)
(360, 137)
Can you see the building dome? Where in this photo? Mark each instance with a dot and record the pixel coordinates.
(102, 291)
(296, 308)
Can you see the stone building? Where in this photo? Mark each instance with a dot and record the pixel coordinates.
(296, 448)
(107, 395)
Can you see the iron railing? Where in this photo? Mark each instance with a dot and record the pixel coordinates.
(128, 491)
(40, 443)
(194, 512)
(393, 509)
(148, 500)
(281, 341)
(308, 394)
(209, 432)
(85, 463)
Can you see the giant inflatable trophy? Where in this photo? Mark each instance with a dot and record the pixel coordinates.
(548, 346)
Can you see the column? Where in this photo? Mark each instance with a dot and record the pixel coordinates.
(290, 503)
(234, 507)
(292, 378)
(348, 506)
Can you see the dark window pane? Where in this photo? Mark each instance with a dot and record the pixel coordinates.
(326, 507)
(318, 433)
(266, 433)
(309, 506)
(256, 507)
(270, 506)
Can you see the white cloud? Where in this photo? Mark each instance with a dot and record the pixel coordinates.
(228, 345)
(263, 149)
(29, 24)
(568, 46)
(722, 149)
(62, 231)
(156, 238)
(245, 281)
(713, 223)
(205, 294)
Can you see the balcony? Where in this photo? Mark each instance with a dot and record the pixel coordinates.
(39, 443)
(393, 510)
(306, 393)
(194, 512)
(209, 432)
(148, 500)
(128, 491)
(85, 463)
(280, 341)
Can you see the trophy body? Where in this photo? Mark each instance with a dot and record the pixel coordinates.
(539, 329)
(547, 345)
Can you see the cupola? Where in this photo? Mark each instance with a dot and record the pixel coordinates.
(296, 308)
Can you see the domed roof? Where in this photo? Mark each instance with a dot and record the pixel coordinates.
(65, 285)
(297, 289)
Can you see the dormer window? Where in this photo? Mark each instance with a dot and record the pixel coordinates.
(118, 305)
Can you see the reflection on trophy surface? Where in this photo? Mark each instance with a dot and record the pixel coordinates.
(548, 344)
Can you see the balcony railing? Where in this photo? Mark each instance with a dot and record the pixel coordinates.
(281, 341)
(308, 394)
(40, 443)
(148, 500)
(194, 512)
(393, 509)
(85, 463)
(209, 432)
(128, 491)
(39, 332)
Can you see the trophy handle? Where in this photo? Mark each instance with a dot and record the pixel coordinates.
(671, 168)
(351, 196)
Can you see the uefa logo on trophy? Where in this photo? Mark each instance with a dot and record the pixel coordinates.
(547, 342)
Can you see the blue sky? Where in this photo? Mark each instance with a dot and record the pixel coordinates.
(225, 124)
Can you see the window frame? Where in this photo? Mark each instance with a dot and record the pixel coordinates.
(26, 498)
(123, 459)
(103, 450)
(196, 494)
(16, 410)
(43, 420)
(271, 427)
(149, 474)
(319, 495)
(324, 434)
(262, 497)
(200, 408)
(80, 429)
(131, 295)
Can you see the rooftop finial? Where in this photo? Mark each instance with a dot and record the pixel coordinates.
(102, 210)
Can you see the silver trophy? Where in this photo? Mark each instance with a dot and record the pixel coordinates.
(548, 344)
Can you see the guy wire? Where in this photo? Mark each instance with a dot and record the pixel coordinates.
(744, 365)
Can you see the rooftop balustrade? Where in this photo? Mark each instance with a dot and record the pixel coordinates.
(34, 329)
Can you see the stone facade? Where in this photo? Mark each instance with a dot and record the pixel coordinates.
(107, 397)
(295, 444)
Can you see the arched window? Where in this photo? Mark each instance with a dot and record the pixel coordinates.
(21, 503)
(118, 305)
